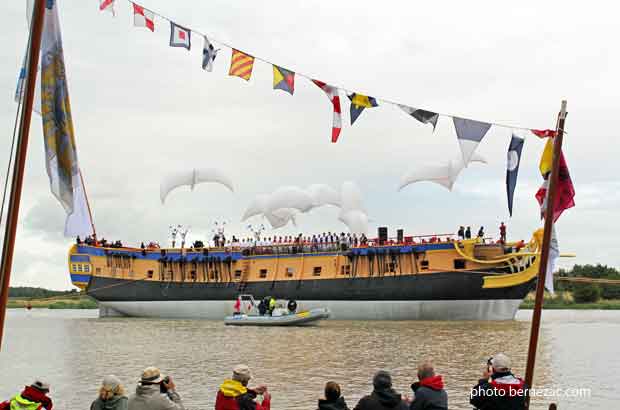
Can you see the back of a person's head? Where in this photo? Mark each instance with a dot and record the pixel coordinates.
(382, 380)
(426, 369)
(332, 391)
(501, 363)
(241, 373)
(111, 386)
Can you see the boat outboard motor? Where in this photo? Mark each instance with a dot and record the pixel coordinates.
(291, 306)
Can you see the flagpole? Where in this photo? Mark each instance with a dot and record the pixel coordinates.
(544, 256)
(36, 31)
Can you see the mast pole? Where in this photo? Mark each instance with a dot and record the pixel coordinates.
(544, 256)
(34, 48)
(90, 213)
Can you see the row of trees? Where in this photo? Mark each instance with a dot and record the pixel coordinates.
(30, 292)
(588, 292)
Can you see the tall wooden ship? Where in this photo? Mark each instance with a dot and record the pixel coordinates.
(409, 279)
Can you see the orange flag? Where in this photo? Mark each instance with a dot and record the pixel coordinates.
(241, 65)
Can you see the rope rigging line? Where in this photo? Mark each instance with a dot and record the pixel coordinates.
(311, 78)
(20, 94)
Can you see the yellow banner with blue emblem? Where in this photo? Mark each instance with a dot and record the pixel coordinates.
(59, 139)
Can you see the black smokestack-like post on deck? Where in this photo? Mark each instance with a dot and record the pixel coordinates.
(34, 47)
(382, 233)
(544, 255)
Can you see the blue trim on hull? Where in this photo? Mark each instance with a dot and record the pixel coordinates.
(197, 256)
(76, 277)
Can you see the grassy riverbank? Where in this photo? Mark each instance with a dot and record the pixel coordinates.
(82, 302)
(40, 298)
(564, 300)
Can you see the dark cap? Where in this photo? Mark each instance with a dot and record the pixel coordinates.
(41, 386)
(382, 380)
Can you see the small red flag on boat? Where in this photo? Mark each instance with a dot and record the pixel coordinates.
(565, 195)
(544, 133)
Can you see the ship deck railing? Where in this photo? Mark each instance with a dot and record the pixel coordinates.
(287, 248)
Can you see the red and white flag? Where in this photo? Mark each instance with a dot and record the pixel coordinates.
(334, 97)
(143, 17)
(107, 5)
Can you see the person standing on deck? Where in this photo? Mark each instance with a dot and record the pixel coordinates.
(468, 233)
(481, 232)
(502, 233)
(461, 233)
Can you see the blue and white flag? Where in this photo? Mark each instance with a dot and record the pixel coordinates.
(180, 36)
(208, 55)
(469, 134)
(512, 167)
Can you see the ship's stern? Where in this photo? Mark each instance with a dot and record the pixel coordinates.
(80, 268)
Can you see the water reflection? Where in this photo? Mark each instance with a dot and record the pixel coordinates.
(74, 350)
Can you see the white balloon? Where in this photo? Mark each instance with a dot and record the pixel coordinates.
(289, 197)
(323, 194)
(355, 220)
(281, 206)
(257, 206)
(444, 174)
(281, 217)
(350, 197)
(192, 178)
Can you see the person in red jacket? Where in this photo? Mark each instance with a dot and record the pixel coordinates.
(32, 397)
(234, 393)
(429, 393)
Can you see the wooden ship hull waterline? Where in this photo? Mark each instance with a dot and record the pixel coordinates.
(450, 280)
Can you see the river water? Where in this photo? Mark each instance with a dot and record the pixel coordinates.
(74, 349)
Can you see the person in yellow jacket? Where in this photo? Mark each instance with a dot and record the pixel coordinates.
(272, 305)
(33, 397)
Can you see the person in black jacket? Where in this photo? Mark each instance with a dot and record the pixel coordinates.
(333, 399)
(499, 389)
(383, 397)
(468, 233)
(428, 391)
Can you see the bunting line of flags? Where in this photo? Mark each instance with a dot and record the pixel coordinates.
(61, 151)
(469, 132)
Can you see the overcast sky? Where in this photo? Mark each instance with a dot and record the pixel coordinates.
(142, 109)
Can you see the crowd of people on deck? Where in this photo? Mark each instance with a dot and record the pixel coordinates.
(465, 233)
(92, 240)
(498, 389)
(326, 241)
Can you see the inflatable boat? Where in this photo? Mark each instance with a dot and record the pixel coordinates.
(288, 319)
